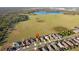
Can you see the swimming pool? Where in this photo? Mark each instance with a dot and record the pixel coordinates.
(44, 12)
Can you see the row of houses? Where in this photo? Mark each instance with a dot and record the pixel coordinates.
(61, 45)
(30, 41)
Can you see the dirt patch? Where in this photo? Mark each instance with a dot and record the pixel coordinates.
(60, 29)
(39, 20)
(16, 32)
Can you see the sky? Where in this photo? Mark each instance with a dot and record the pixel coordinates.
(39, 3)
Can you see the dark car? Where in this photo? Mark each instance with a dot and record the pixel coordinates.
(20, 43)
(13, 49)
(24, 42)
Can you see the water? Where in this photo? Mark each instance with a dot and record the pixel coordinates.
(44, 12)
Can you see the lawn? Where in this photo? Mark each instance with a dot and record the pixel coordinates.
(44, 24)
(75, 49)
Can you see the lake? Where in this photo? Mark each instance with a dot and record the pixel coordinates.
(44, 12)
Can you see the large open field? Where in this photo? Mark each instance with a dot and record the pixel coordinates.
(44, 24)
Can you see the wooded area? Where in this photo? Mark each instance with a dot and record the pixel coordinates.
(7, 22)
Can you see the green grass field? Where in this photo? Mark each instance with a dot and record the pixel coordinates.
(44, 24)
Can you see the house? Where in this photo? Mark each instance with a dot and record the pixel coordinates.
(53, 35)
(76, 30)
(69, 43)
(60, 45)
(76, 40)
(65, 45)
(75, 43)
(58, 36)
(47, 37)
(46, 48)
(41, 39)
(49, 47)
(54, 45)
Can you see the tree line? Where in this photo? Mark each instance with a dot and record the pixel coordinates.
(9, 21)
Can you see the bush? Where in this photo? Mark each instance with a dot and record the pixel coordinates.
(66, 33)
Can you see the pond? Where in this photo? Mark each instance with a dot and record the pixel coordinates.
(44, 12)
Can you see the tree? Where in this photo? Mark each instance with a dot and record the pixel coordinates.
(66, 33)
